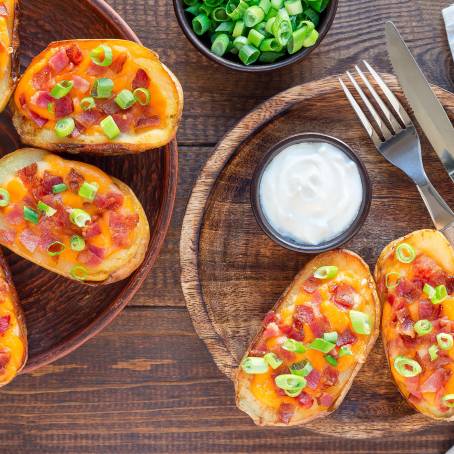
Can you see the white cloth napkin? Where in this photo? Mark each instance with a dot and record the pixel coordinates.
(448, 16)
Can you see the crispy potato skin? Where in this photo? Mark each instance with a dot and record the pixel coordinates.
(246, 401)
(437, 242)
(113, 270)
(19, 315)
(31, 134)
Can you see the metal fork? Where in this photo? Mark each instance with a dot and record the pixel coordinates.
(398, 142)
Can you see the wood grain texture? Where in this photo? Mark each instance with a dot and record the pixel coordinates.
(232, 273)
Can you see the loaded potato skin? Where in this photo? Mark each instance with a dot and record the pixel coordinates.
(415, 279)
(312, 344)
(70, 217)
(102, 97)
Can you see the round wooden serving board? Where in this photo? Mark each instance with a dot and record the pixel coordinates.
(61, 314)
(232, 273)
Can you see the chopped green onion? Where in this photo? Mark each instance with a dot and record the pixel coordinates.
(407, 367)
(448, 400)
(445, 341)
(344, 351)
(270, 45)
(302, 368)
(64, 127)
(4, 197)
(321, 345)
(429, 291)
(392, 280)
(77, 243)
(102, 88)
(201, 24)
(269, 25)
(219, 14)
(61, 89)
(331, 360)
(88, 190)
(282, 27)
(253, 16)
(290, 382)
(50, 107)
(125, 99)
(142, 96)
(265, 5)
(110, 128)
(102, 55)
(79, 217)
(31, 215)
(311, 39)
(55, 248)
(46, 209)
(87, 103)
(293, 392)
(220, 45)
(225, 27)
(273, 360)
(405, 253)
(79, 273)
(326, 272)
(331, 336)
(296, 41)
(360, 322)
(60, 187)
(235, 9)
(249, 54)
(292, 345)
(254, 365)
(240, 41)
(440, 294)
(293, 7)
(423, 327)
(277, 4)
(238, 29)
(255, 37)
(433, 352)
(270, 57)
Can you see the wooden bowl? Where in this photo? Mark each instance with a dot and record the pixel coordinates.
(61, 314)
(202, 44)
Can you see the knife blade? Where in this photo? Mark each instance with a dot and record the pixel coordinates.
(427, 108)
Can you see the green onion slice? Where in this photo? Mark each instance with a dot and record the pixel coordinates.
(423, 327)
(79, 217)
(273, 360)
(429, 291)
(88, 190)
(331, 360)
(448, 400)
(61, 89)
(441, 294)
(249, 54)
(331, 337)
(220, 44)
(31, 215)
(60, 187)
(102, 88)
(201, 24)
(392, 280)
(407, 367)
(253, 16)
(254, 365)
(344, 351)
(236, 8)
(46, 209)
(360, 322)
(433, 352)
(79, 273)
(64, 127)
(290, 382)
(405, 253)
(142, 96)
(445, 341)
(302, 368)
(77, 243)
(321, 345)
(293, 392)
(110, 128)
(326, 272)
(4, 197)
(102, 55)
(292, 345)
(55, 248)
(87, 103)
(125, 99)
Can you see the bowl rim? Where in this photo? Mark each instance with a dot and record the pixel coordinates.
(339, 240)
(201, 47)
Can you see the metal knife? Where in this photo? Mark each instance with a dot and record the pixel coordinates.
(427, 108)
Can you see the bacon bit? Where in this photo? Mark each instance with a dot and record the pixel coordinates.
(4, 359)
(91, 256)
(3, 10)
(311, 284)
(121, 225)
(64, 107)
(109, 107)
(124, 121)
(74, 54)
(48, 181)
(272, 330)
(326, 400)
(286, 412)
(4, 323)
(343, 295)
(305, 400)
(296, 334)
(118, 64)
(313, 379)
(42, 99)
(38, 119)
(428, 311)
(42, 78)
(74, 180)
(303, 314)
(437, 380)
(269, 317)
(29, 240)
(59, 61)
(7, 236)
(91, 230)
(27, 174)
(147, 122)
(330, 376)
(96, 70)
(427, 270)
(319, 326)
(141, 80)
(316, 297)
(80, 84)
(427, 364)
(260, 350)
(412, 384)
(405, 322)
(346, 338)
(88, 118)
(111, 201)
(410, 290)
(15, 215)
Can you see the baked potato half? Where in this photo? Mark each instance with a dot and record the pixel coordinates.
(312, 344)
(97, 96)
(415, 279)
(13, 332)
(70, 217)
(9, 44)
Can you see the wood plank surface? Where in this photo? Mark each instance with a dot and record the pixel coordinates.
(147, 383)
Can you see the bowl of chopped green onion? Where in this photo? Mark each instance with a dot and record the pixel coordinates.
(255, 35)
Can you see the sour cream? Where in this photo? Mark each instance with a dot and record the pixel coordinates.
(311, 192)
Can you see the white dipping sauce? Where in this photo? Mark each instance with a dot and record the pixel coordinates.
(311, 192)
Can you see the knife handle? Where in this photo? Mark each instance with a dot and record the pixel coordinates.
(442, 216)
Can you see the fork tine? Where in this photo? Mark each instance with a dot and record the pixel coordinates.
(390, 95)
(362, 118)
(381, 124)
(389, 116)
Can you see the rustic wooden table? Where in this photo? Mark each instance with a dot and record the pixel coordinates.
(147, 383)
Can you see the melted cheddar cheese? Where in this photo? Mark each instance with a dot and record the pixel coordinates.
(6, 38)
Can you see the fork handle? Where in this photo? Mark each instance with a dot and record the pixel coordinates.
(442, 216)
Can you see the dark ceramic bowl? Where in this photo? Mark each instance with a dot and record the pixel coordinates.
(231, 61)
(287, 242)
